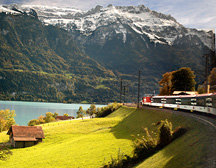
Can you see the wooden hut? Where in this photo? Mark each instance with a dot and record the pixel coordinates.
(25, 136)
(64, 117)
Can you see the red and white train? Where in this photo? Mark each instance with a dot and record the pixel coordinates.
(205, 103)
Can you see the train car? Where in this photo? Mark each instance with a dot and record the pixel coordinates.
(205, 103)
(146, 100)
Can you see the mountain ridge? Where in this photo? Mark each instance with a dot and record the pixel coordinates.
(143, 20)
(120, 41)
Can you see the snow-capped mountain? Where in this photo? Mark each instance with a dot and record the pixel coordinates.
(126, 39)
(159, 28)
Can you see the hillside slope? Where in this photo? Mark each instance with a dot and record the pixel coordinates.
(90, 143)
(126, 39)
(44, 63)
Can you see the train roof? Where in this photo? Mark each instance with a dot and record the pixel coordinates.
(185, 96)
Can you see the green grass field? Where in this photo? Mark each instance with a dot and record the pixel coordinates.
(91, 142)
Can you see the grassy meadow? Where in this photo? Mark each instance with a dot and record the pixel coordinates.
(91, 142)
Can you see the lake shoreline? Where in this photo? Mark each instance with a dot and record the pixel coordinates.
(26, 111)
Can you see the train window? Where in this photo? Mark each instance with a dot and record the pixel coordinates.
(186, 101)
(214, 101)
(209, 101)
(156, 100)
(170, 101)
(193, 102)
(178, 101)
(200, 101)
(163, 101)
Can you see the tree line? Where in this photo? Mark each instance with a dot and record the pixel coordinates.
(98, 112)
(184, 80)
(92, 111)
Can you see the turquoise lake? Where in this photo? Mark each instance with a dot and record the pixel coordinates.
(26, 111)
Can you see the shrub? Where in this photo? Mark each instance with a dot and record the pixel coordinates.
(49, 117)
(55, 115)
(105, 111)
(178, 132)
(165, 133)
(33, 122)
(147, 145)
(121, 161)
(41, 119)
(4, 152)
(144, 146)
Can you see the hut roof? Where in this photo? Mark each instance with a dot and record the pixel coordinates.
(64, 117)
(185, 93)
(26, 133)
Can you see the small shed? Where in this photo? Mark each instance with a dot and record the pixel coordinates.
(64, 117)
(25, 136)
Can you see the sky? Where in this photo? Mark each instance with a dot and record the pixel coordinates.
(199, 14)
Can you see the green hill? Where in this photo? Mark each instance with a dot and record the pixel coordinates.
(43, 63)
(90, 143)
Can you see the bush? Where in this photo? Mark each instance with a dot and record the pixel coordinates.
(55, 115)
(144, 146)
(33, 122)
(165, 133)
(119, 162)
(50, 117)
(147, 145)
(105, 111)
(41, 119)
(4, 152)
(178, 132)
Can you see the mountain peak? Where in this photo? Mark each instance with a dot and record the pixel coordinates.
(159, 28)
(94, 10)
(110, 6)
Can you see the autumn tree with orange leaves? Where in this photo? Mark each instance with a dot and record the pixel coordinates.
(212, 80)
(166, 84)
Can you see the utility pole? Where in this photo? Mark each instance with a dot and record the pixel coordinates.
(138, 96)
(206, 72)
(124, 93)
(121, 91)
